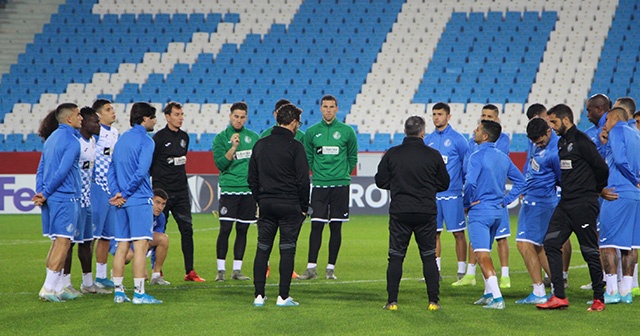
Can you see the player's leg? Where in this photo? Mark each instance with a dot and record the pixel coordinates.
(181, 210)
(246, 216)
(557, 233)
(533, 222)
(453, 210)
(319, 217)
(502, 233)
(267, 229)
(399, 236)
(290, 222)
(104, 218)
(439, 228)
(483, 225)
(123, 237)
(583, 220)
(63, 218)
(338, 214)
(141, 234)
(161, 244)
(228, 211)
(424, 228)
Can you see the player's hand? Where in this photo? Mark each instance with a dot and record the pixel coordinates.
(38, 199)
(235, 140)
(604, 137)
(608, 194)
(117, 200)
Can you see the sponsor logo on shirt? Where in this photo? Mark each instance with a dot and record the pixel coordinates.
(566, 164)
(245, 154)
(318, 135)
(167, 144)
(330, 150)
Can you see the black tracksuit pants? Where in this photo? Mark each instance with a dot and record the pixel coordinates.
(180, 206)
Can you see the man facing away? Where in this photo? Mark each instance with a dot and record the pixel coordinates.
(414, 173)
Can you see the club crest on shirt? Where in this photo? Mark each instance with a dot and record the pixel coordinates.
(337, 135)
(247, 139)
(570, 147)
(447, 143)
(183, 143)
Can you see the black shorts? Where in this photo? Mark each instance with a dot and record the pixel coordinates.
(330, 204)
(237, 208)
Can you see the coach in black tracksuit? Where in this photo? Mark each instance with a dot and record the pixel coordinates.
(584, 175)
(279, 181)
(414, 172)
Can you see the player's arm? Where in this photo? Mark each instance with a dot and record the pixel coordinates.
(308, 147)
(473, 172)
(597, 163)
(39, 178)
(302, 176)
(253, 178)
(519, 183)
(68, 160)
(443, 179)
(352, 150)
(619, 151)
(220, 152)
(383, 175)
(145, 156)
(463, 154)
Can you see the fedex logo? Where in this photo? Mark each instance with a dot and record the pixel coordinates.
(16, 192)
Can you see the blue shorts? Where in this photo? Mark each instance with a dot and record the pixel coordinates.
(104, 214)
(451, 212)
(483, 225)
(135, 222)
(504, 230)
(59, 219)
(533, 221)
(84, 229)
(617, 222)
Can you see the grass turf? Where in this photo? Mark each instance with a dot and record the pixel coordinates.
(350, 305)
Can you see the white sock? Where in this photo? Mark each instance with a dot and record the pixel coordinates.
(60, 282)
(612, 284)
(487, 289)
(461, 266)
(505, 272)
(331, 266)
(634, 283)
(87, 279)
(565, 275)
(155, 275)
(625, 285)
(117, 284)
(138, 285)
(50, 280)
(237, 265)
(438, 262)
(101, 270)
(66, 280)
(538, 290)
(471, 269)
(492, 283)
(311, 265)
(221, 265)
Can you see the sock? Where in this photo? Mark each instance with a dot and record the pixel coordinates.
(117, 284)
(237, 265)
(312, 265)
(538, 290)
(66, 280)
(221, 265)
(59, 283)
(461, 266)
(438, 263)
(331, 266)
(487, 290)
(635, 276)
(565, 275)
(505, 272)
(471, 269)
(138, 285)
(87, 279)
(101, 270)
(50, 280)
(612, 284)
(155, 275)
(492, 283)
(625, 285)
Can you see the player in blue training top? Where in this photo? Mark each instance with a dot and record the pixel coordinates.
(485, 200)
(542, 174)
(453, 148)
(130, 183)
(629, 105)
(491, 112)
(621, 206)
(597, 107)
(58, 192)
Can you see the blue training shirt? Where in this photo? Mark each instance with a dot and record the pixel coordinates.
(593, 133)
(130, 165)
(58, 175)
(160, 223)
(502, 144)
(487, 172)
(453, 147)
(542, 172)
(622, 154)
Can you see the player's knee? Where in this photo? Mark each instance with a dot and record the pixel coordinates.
(428, 255)
(288, 247)
(242, 228)
(265, 247)
(396, 254)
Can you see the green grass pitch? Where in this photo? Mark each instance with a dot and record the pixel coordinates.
(352, 305)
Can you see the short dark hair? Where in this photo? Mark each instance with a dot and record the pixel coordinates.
(637, 114)
(160, 193)
(601, 100)
(86, 112)
(492, 129)
(628, 103)
(561, 111)
(535, 110)
(63, 109)
(48, 125)
(140, 110)
(239, 106)
(492, 108)
(288, 113)
(99, 103)
(441, 106)
(280, 103)
(536, 128)
(414, 126)
(619, 112)
(330, 98)
(170, 105)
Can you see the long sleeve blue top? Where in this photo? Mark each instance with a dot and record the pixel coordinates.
(622, 154)
(488, 169)
(542, 172)
(502, 144)
(453, 147)
(129, 173)
(58, 175)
